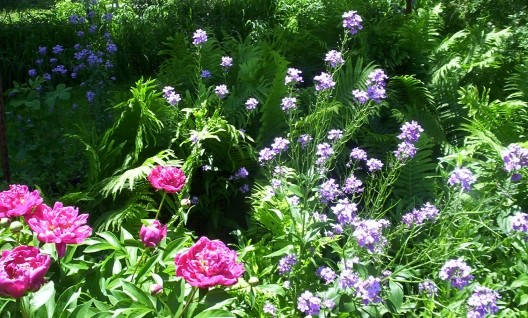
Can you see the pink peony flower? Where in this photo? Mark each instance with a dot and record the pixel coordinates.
(208, 263)
(151, 235)
(22, 269)
(18, 201)
(61, 225)
(168, 179)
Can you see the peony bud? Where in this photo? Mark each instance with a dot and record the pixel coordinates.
(185, 203)
(253, 281)
(16, 226)
(4, 222)
(156, 289)
(151, 235)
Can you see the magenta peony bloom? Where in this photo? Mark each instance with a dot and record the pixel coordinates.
(61, 225)
(168, 179)
(22, 269)
(151, 235)
(18, 201)
(208, 263)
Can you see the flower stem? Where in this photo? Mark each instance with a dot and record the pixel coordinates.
(161, 204)
(23, 306)
(137, 266)
(188, 302)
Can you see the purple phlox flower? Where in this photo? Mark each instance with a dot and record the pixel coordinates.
(289, 103)
(53, 60)
(369, 290)
(73, 19)
(107, 35)
(279, 145)
(304, 140)
(334, 58)
(265, 155)
(207, 168)
(227, 62)
(324, 81)
(345, 211)
(205, 74)
(94, 59)
(328, 304)
(293, 76)
(335, 134)
(309, 304)
(276, 183)
(293, 200)
(80, 34)
(374, 165)
(108, 17)
(463, 177)
(457, 272)
(418, 217)
(428, 287)
(242, 173)
(349, 263)
(286, 263)
(92, 28)
(279, 171)
(329, 191)
(42, 50)
(170, 95)
(195, 200)
(251, 104)
(520, 222)
(57, 49)
(90, 96)
(352, 21)
(221, 91)
(360, 96)
(199, 37)
(516, 177)
(376, 93)
(270, 309)
(352, 185)
(406, 150)
(319, 217)
(337, 229)
(38, 61)
(326, 273)
(111, 47)
(377, 77)
(410, 132)
(482, 302)
(46, 77)
(61, 69)
(324, 151)
(358, 154)
(514, 157)
(32, 72)
(368, 234)
(91, 13)
(194, 137)
(244, 188)
(109, 65)
(348, 278)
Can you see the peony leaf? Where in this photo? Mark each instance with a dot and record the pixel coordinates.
(214, 313)
(42, 296)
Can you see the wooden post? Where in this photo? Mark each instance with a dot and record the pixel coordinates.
(3, 138)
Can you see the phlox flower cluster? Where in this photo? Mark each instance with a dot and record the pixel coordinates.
(369, 290)
(368, 234)
(324, 81)
(334, 58)
(226, 63)
(463, 177)
(329, 191)
(221, 91)
(409, 135)
(428, 287)
(418, 217)
(267, 154)
(358, 154)
(269, 309)
(289, 103)
(515, 158)
(205, 74)
(286, 263)
(251, 104)
(323, 153)
(482, 302)
(345, 211)
(309, 304)
(352, 185)
(199, 37)
(352, 22)
(348, 278)
(457, 273)
(376, 83)
(374, 164)
(520, 222)
(170, 95)
(242, 173)
(293, 76)
(304, 140)
(326, 273)
(335, 134)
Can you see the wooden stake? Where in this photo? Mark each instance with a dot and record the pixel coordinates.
(3, 138)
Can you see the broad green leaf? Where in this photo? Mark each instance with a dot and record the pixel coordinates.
(111, 239)
(522, 281)
(214, 313)
(138, 294)
(98, 247)
(395, 297)
(42, 296)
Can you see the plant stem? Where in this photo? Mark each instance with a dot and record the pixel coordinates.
(187, 303)
(137, 266)
(161, 203)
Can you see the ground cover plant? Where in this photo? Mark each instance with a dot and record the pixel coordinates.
(315, 160)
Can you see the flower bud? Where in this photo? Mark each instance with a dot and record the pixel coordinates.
(4, 222)
(185, 203)
(151, 235)
(156, 289)
(253, 281)
(16, 226)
